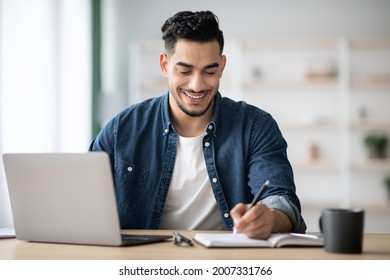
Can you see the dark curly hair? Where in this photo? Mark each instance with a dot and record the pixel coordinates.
(194, 26)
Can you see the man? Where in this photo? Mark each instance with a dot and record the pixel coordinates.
(192, 159)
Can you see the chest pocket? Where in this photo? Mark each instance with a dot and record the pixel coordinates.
(130, 181)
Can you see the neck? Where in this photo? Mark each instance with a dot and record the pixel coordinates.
(186, 125)
(190, 126)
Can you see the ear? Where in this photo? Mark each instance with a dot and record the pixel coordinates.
(164, 64)
(222, 64)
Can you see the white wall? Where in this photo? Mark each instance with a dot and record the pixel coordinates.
(131, 20)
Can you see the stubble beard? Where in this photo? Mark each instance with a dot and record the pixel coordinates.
(193, 114)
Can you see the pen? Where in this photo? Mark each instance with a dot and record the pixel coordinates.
(256, 198)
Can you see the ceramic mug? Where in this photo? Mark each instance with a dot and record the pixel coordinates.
(342, 230)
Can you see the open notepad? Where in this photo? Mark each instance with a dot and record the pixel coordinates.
(275, 240)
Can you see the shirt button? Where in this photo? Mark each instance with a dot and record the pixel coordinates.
(226, 215)
(210, 126)
(129, 169)
(215, 180)
(166, 130)
(207, 144)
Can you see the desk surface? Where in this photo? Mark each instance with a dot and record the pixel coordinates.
(375, 246)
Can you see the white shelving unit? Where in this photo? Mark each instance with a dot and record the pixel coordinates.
(369, 92)
(316, 89)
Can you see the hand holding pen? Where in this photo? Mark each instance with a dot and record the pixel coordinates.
(256, 199)
(254, 220)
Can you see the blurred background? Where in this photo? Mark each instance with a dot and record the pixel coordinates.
(321, 68)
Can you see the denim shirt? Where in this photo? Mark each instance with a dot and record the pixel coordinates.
(243, 147)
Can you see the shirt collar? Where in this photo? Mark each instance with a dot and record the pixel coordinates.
(167, 124)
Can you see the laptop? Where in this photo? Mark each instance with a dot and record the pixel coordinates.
(66, 198)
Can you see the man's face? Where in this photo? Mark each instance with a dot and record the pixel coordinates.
(193, 70)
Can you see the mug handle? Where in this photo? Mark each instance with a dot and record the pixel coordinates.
(320, 223)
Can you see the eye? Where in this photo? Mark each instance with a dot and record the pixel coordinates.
(210, 71)
(183, 71)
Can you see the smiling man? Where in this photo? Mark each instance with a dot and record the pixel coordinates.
(193, 70)
(192, 159)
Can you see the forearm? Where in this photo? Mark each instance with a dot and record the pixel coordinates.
(282, 222)
(288, 214)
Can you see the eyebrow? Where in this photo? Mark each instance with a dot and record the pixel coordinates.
(183, 64)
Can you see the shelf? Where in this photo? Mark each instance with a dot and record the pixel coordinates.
(315, 165)
(373, 208)
(317, 207)
(324, 165)
(369, 125)
(371, 82)
(254, 45)
(375, 165)
(320, 125)
(369, 43)
(323, 83)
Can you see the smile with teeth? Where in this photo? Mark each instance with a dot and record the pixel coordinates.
(198, 96)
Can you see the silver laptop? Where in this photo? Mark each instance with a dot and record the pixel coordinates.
(66, 198)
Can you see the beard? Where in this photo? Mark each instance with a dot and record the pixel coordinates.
(191, 113)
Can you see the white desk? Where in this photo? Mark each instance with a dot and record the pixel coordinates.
(375, 247)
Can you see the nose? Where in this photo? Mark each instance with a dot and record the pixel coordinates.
(196, 82)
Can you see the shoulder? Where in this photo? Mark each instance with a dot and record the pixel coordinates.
(244, 118)
(143, 109)
(136, 115)
(242, 109)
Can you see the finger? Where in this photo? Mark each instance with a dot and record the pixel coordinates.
(257, 222)
(259, 233)
(237, 212)
(239, 215)
(253, 214)
(259, 227)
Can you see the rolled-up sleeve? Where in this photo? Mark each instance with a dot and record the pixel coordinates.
(282, 204)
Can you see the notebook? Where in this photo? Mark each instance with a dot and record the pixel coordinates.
(66, 198)
(275, 240)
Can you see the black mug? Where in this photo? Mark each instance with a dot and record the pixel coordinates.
(342, 230)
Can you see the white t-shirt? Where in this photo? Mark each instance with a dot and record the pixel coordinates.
(190, 203)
